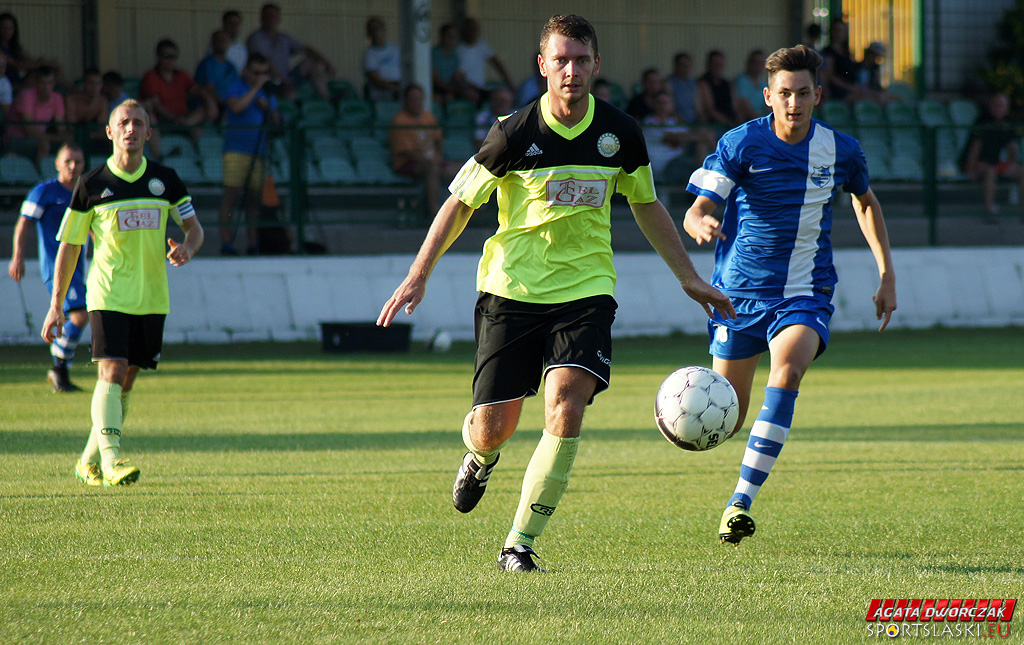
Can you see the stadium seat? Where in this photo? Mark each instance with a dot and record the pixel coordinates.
(354, 117)
(313, 175)
(905, 133)
(16, 170)
(289, 110)
(364, 147)
(186, 167)
(964, 112)
(878, 167)
(317, 113)
(336, 170)
(837, 114)
(460, 113)
(906, 167)
(932, 112)
(903, 91)
(458, 147)
(899, 113)
(306, 92)
(213, 169)
(177, 145)
(211, 143)
(868, 113)
(329, 148)
(377, 171)
(384, 111)
(341, 90)
(48, 167)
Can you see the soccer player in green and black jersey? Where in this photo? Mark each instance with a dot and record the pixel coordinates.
(546, 278)
(125, 203)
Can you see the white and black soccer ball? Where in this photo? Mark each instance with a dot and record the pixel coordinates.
(696, 408)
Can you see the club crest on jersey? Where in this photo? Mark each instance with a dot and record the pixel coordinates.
(137, 219)
(608, 144)
(577, 192)
(821, 176)
(156, 187)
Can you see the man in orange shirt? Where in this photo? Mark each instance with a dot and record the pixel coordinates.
(417, 145)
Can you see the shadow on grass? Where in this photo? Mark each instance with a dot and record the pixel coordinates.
(44, 442)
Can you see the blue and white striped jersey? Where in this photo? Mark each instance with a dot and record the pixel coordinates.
(46, 204)
(778, 213)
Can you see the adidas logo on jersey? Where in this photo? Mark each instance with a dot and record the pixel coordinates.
(106, 193)
(534, 151)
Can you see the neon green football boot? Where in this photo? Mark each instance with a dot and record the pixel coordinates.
(89, 474)
(736, 524)
(120, 474)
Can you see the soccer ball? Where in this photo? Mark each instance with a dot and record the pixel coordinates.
(696, 408)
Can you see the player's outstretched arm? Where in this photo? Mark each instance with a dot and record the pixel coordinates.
(449, 223)
(63, 269)
(700, 224)
(872, 225)
(659, 229)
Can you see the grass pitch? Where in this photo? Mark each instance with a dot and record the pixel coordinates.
(293, 496)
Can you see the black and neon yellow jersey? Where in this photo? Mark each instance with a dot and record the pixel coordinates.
(554, 183)
(127, 214)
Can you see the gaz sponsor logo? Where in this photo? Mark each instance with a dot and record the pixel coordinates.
(945, 617)
(577, 192)
(137, 219)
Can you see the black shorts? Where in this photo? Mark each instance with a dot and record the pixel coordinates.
(518, 342)
(137, 339)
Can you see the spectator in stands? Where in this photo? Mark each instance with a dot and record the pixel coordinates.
(869, 75)
(449, 83)
(237, 54)
(992, 152)
(601, 89)
(216, 73)
(382, 63)
(279, 47)
(839, 73)
(6, 89)
(534, 86)
(642, 103)
(113, 90)
(675, 149)
(88, 107)
(684, 88)
(499, 104)
(474, 55)
(248, 105)
(171, 95)
(19, 62)
(715, 97)
(813, 32)
(37, 103)
(749, 88)
(417, 145)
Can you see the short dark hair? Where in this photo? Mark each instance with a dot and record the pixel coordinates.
(409, 88)
(113, 78)
(793, 59)
(256, 58)
(571, 26)
(166, 43)
(230, 13)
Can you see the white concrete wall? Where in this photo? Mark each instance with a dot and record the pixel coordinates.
(215, 300)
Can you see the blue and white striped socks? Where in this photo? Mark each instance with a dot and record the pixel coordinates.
(63, 347)
(767, 436)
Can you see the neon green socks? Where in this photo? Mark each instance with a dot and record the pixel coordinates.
(545, 481)
(106, 422)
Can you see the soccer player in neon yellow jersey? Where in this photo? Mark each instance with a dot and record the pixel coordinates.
(125, 203)
(546, 278)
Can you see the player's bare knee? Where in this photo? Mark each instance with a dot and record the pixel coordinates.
(787, 376)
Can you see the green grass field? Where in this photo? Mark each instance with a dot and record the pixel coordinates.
(289, 495)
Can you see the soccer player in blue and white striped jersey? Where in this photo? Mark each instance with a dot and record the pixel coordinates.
(778, 176)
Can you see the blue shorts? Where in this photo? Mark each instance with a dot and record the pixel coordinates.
(76, 293)
(757, 322)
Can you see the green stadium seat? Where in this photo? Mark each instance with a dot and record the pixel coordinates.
(341, 90)
(837, 114)
(354, 117)
(460, 113)
(336, 170)
(329, 148)
(187, 168)
(932, 112)
(318, 113)
(364, 147)
(16, 170)
(868, 113)
(903, 91)
(48, 167)
(964, 112)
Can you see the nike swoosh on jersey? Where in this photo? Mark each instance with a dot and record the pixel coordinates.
(753, 171)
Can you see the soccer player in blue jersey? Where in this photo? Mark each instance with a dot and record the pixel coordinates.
(45, 205)
(778, 176)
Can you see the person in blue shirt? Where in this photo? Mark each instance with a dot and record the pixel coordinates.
(215, 72)
(249, 106)
(45, 205)
(778, 176)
